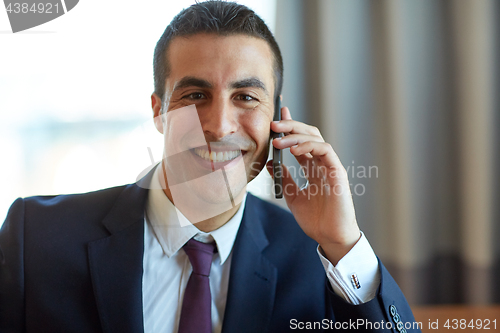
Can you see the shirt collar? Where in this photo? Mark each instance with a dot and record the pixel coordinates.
(165, 219)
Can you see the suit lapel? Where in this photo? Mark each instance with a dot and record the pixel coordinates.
(116, 263)
(116, 269)
(253, 277)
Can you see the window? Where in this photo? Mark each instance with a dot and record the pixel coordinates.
(75, 111)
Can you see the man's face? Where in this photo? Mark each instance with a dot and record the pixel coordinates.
(230, 81)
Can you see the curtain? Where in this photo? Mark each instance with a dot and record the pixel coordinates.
(405, 91)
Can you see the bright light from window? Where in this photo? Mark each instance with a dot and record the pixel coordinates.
(75, 92)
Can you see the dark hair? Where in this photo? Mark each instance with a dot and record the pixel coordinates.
(218, 17)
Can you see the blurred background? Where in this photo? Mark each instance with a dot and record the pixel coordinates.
(404, 90)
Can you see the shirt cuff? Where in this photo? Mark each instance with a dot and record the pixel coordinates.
(359, 261)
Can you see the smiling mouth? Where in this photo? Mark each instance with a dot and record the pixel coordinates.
(217, 156)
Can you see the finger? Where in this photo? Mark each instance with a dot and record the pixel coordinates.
(285, 113)
(302, 159)
(290, 188)
(324, 156)
(319, 150)
(294, 139)
(289, 126)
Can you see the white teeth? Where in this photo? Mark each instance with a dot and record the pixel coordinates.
(217, 157)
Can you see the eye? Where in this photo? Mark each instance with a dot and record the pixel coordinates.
(245, 98)
(246, 101)
(194, 96)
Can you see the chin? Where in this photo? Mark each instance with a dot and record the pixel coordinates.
(212, 192)
(208, 196)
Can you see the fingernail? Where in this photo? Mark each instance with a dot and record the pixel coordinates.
(276, 121)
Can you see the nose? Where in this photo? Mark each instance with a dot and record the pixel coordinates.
(219, 119)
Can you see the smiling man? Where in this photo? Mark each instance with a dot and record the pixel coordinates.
(186, 249)
(233, 94)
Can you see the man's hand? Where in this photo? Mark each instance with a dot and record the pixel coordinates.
(324, 209)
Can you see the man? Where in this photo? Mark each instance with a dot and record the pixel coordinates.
(120, 259)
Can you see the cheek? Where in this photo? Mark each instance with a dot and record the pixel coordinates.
(258, 126)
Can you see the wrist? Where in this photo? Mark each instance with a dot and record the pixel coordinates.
(337, 250)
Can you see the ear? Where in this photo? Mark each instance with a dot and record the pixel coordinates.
(156, 106)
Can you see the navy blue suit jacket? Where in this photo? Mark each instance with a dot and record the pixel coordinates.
(73, 263)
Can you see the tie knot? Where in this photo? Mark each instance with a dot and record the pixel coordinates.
(200, 255)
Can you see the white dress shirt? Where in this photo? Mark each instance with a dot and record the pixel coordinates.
(166, 268)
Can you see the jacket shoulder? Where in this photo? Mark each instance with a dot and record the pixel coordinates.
(61, 218)
(58, 201)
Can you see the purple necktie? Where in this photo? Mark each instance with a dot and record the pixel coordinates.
(196, 314)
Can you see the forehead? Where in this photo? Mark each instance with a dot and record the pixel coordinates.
(220, 59)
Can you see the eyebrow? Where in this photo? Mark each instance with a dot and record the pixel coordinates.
(251, 82)
(191, 81)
